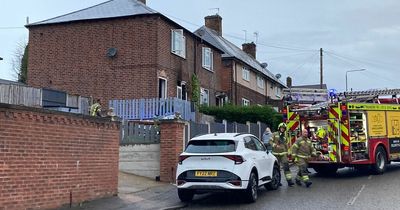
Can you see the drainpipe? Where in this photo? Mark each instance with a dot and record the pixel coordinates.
(234, 66)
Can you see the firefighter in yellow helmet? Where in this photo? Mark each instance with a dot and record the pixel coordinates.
(280, 151)
(302, 150)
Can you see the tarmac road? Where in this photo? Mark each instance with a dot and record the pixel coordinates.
(349, 189)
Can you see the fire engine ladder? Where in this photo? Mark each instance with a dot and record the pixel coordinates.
(362, 96)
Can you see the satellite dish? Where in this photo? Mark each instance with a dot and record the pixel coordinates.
(111, 52)
(264, 65)
(201, 32)
(278, 76)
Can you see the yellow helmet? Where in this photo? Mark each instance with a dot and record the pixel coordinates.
(321, 133)
(281, 125)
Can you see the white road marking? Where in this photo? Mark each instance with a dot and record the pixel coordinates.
(370, 177)
(352, 200)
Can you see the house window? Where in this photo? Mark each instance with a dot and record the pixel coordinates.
(204, 96)
(246, 74)
(245, 102)
(178, 43)
(260, 82)
(278, 92)
(179, 92)
(162, 88)
(207, 58)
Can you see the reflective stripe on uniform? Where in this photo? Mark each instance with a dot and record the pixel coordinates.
(305, 178)
(288, 176)
(302, 156)
(280, 154)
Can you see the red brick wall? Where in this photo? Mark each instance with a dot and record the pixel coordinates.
(72, 57)
(249, 94)
(45, 156)
(171, 145)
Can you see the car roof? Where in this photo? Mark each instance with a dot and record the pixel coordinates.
(220, 136)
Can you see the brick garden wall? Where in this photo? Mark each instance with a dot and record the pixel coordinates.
(47, 158)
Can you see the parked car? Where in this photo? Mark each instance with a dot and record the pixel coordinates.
(226, 162)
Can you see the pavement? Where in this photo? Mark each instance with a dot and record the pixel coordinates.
(134, 193)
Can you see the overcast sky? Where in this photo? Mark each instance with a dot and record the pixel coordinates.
(356, 34)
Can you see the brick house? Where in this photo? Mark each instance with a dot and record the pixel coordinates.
(121, 49)
(245, 80)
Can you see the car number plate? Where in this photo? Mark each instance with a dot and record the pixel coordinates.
(206, 173)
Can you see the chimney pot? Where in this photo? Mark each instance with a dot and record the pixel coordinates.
(250, 48)
(214, 22)
(289, 82)
(143, 1)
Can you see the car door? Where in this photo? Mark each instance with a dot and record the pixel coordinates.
(251, 152)
(263, 159)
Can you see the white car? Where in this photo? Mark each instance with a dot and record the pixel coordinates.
(226, 162)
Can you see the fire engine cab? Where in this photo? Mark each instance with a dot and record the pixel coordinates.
(361, 131)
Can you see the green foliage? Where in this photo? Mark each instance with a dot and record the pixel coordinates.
(23, 71)
(195, 89)
(242, 114)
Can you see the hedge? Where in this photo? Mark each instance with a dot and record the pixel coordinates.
(242, 114)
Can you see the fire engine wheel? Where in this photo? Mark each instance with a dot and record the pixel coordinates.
(380, 161)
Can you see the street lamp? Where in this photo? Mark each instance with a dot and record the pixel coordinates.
(352, 71)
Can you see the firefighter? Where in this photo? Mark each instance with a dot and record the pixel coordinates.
(280, 150)
(95, 109)
(302, 150)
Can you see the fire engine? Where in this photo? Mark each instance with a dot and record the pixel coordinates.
(362, 130)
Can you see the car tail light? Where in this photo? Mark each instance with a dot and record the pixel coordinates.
(236, 183)
(182, 158)
(236, 158)
(346, 148)
(180, 182)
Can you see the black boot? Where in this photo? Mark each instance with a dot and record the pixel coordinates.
(308, 183)
(298, 182)
(290, 183)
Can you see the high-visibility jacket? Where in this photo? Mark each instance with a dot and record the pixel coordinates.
(279, 144)
(96, 107)
(303, 148)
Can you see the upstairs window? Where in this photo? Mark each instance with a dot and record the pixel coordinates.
(178, 43)
(207, 58)
(245, 102)
(260, 82)
(245, 74)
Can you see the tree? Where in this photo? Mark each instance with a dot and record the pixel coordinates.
(20, 62)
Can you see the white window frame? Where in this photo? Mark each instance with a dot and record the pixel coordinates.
(245, 102)
(178, 43)
(260, 82)
(166, 86)
(204, 100)
(245, 73)
(207, 58)
(179, 92)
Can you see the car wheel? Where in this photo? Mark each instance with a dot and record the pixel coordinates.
(252, 188)
(276, 179)
(380, 161)
(185, 195)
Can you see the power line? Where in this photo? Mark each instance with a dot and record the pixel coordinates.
(302, 64)
(370, 62)
(9, 28)
(241, 38)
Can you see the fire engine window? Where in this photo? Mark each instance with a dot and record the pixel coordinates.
(358, 126)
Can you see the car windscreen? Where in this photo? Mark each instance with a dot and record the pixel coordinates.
(210, 146)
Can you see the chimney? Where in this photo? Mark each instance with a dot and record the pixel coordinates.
(289, 82)
(250, 48)
(214, 22)
(143, 1)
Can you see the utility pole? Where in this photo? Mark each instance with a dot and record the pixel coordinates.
(321, 67)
